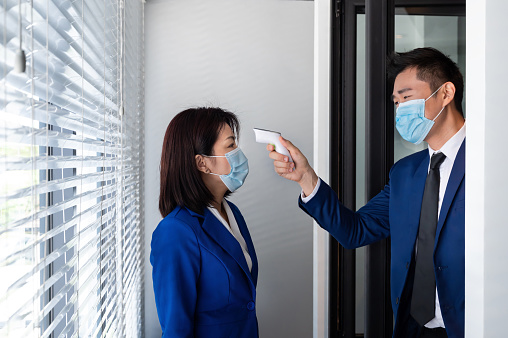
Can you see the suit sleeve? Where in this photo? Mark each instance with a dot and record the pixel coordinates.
(352, 229)
(175, 258)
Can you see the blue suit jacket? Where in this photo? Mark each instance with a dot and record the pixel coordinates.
(202, 284)
(395, 212)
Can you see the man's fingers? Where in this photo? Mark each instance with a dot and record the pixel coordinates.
(277, 157)
(286, 165)
(283, 171)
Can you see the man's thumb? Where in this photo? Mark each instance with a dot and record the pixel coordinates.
(286, 143)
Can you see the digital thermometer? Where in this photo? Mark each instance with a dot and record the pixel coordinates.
(271, 137)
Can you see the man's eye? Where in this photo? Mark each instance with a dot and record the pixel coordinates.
(405, 97)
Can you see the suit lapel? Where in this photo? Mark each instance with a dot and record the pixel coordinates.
(215, 229)
(456, 177)
(250, 246)
(417, 187)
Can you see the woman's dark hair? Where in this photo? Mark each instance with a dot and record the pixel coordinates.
(192, 132)
(431, 66)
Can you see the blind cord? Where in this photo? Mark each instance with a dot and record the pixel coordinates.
(20, 58)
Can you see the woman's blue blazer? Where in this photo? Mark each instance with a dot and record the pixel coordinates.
(202, 284)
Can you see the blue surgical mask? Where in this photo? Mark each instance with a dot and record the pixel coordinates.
(239, 169)
(411, 122)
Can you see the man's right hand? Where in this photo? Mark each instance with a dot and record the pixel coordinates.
(300, 171)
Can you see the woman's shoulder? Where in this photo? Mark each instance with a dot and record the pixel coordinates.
(176, 225)
(179, 214)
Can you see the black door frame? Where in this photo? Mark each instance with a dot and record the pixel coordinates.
(380, 17)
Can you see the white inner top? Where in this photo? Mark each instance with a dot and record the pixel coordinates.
(233, 229)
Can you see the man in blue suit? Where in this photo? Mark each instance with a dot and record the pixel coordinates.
(421, 208)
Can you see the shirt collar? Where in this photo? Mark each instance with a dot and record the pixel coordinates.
(217, 213)
(452, 146)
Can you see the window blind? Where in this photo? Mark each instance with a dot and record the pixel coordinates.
(71, 159)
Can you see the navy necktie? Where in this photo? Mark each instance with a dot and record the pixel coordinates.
(424, 287)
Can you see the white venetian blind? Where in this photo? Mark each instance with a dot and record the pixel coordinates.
(71, 138)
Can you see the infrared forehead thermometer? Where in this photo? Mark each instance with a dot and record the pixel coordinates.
(271, 137)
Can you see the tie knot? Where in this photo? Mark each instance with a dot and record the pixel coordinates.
(436, 160)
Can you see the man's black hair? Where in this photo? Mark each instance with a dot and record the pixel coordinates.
(431, 66)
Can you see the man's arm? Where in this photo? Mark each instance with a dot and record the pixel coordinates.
(351, 229)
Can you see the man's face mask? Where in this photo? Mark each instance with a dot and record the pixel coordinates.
(411, 122)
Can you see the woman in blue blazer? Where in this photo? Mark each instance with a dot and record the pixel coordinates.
(204, 263)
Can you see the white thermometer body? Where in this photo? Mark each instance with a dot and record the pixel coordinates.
(271, 137)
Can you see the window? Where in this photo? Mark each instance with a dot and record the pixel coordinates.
(71, 159)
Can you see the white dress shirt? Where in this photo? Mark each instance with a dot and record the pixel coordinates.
(305, 199)
(233, 229)
(450, 149)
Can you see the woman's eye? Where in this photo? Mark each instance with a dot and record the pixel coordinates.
(405, 97)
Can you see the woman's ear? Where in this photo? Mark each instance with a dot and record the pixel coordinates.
(201, 164)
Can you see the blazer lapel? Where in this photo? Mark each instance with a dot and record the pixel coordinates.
(417, 187)
(248, 240)
(226, 240)
(456, 177)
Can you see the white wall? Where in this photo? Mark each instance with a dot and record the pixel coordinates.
(487, 168)
(255, 58)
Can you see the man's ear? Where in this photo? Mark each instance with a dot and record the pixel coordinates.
(201, 164)
(448, 92)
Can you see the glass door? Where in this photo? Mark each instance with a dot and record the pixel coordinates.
(361, 306)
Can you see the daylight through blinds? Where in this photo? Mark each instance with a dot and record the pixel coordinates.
(71, 159)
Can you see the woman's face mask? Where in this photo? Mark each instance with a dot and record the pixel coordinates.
(239, 169)
(411, 122)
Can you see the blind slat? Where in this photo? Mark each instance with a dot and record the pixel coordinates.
(84, 124)
(56, 162)
(60, 184)
(51, 138)
(89, 195)
(13, 257)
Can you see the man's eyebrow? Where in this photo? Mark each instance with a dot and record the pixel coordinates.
(403, 90)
